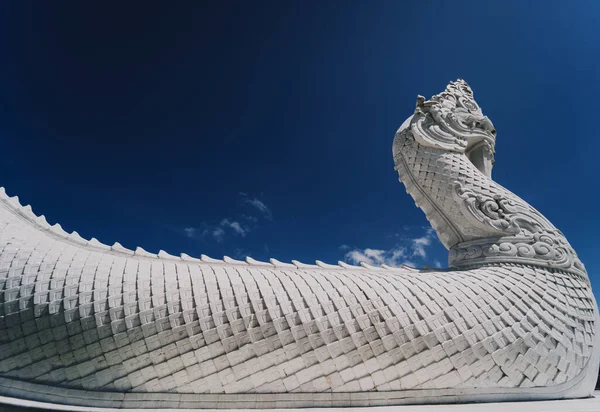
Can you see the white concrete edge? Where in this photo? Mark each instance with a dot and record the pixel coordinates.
(21, 392)
(580, 405)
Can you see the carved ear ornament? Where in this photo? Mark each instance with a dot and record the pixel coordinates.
(428, 132)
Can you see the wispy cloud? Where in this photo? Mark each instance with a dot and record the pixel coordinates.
(241, 225)
(420, 244)
(393, 257)
(260, 205)
(190, 231)
(249, 218)
(257, 204)
(234, 226)
(403, 253)
(194, 232)
(240, 253)
(219, 234)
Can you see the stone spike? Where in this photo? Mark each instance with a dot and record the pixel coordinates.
(255, 262)
(301, 265)
(347, 266)
(367, 266)
(208, 259)
(28, 212)
(3, 195)
(164, 255)
(75, 237)
(185, 256)
(14, 202)
(96, 243)
(58, 230)
(141, 252)
(279, 264)
(232, 261)
(117, 247)
(41, 220)
(326, 265)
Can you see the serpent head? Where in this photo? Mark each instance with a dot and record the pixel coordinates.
(453, 121)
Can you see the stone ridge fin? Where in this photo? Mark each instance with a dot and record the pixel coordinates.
(370, 267)
(232, 261)
(188, 258)
(28, 212)
(164, 255)
(41, 220)
(279, 264)
(301, 265)
(141, 252)
(255, 262)
(96, 243)
(117, 247)
(208, 259)
(58, 230)
(347, 266)
(14, 202)
(76, 238)
(327, 265)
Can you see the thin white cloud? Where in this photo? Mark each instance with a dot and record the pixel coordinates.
(420, 244)
(194, 232)
(241, 226)
(401, 254)
(190, 232)
(235, 226)
(240, 254)
(437, 264)
(249, 218)
(218, 234)
(376, 257)
(257, 204)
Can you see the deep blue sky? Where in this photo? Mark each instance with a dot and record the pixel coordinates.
(144, 124)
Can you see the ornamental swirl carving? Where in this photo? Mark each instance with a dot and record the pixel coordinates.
(486, 212)
(547, 249)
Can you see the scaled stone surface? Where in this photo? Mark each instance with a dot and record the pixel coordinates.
(514, 318)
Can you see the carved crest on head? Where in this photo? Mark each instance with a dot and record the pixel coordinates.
(452, 120)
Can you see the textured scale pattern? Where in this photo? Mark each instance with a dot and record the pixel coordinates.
(82, 317)
(435, 171)
(88, 324)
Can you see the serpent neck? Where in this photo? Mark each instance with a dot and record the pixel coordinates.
(478, 220)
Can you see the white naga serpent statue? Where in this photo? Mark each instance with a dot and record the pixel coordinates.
(514, 318)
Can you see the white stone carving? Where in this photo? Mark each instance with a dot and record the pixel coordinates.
(444, 154)
(82, 323)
